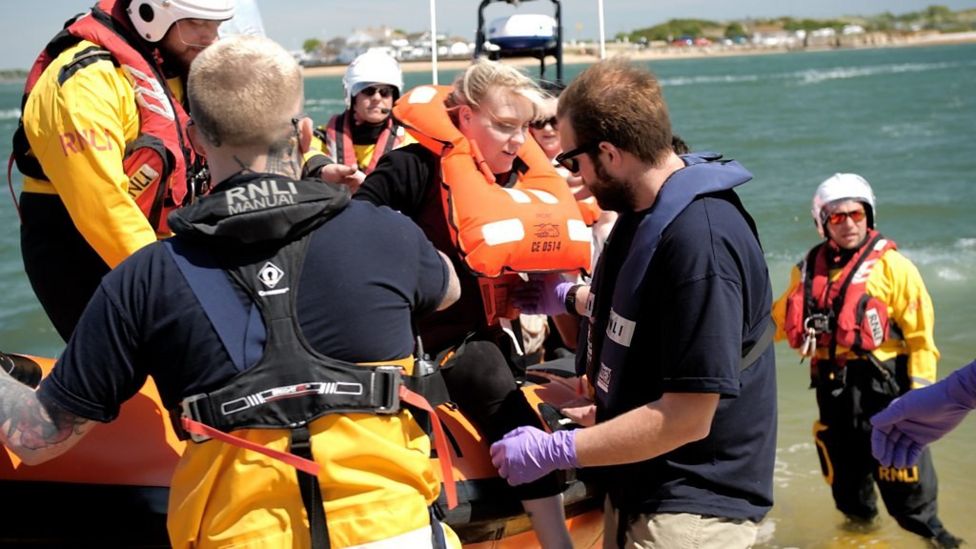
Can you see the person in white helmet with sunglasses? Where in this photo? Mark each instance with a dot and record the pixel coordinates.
(859, 310)
(360, 135)
(102, 144)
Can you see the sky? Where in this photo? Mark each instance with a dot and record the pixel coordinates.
(25, 27)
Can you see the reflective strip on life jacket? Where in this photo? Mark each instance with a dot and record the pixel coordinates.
(534, 226)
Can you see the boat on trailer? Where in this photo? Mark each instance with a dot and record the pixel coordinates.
(522, 35)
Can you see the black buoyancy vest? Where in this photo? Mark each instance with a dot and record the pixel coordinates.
(616, 302)
(254, 230)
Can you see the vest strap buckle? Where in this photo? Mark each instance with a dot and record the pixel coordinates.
(190, 410)
(388, 379)
(818, 322)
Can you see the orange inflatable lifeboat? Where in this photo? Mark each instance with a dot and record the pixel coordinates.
(111, 489)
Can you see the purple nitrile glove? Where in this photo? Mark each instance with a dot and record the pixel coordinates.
(542, 294)
(526, 454)
(921, 416)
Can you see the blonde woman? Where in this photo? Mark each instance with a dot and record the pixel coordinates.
(487, 112)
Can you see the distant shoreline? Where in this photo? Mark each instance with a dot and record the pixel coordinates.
(573, 55)
(656, 54)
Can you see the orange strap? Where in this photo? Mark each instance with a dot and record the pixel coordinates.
(301, 464)
(440, 442)
(312, 468)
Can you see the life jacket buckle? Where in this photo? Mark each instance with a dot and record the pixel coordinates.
(393, 376)
(190, 411)
(818, 322)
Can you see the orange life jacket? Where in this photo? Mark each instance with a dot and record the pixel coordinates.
(590, 210)
(157, 160)
(534, 226)
(338, 134)
(839, 312)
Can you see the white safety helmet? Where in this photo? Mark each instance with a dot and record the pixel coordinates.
(842, 186)
(152, 18)
(372, 67)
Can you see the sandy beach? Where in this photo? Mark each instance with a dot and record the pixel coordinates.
(578, 55)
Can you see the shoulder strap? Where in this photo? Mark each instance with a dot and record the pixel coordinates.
(753, 353)
(239, 327)
(852, 269)
(707, 175)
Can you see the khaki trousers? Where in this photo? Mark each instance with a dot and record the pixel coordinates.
(678, 531)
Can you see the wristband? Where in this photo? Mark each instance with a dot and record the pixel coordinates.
(570, 301)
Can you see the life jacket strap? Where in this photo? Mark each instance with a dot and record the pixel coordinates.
(440, 443)
(308, 485)
(199, 432)
(205, 432)
(370, 390)
(752, 354)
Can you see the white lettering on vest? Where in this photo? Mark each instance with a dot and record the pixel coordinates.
(619, 329)
(874, 321)
(603, 378)
(266, 193)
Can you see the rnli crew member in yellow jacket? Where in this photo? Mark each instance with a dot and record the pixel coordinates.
(360, 135)
(289, 250)
(858, 309)
(102, 143)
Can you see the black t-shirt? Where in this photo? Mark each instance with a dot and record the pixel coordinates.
(366, 269)
(406, 179)
(707, 295)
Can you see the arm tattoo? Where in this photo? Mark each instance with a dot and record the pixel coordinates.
(26, 425)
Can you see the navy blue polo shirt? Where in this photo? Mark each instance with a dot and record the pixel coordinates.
(366, 271)
(706, 292)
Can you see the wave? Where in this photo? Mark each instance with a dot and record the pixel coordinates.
(719, 79)
(815, 76)
(909, 129)
(953, 263)
(9, 114)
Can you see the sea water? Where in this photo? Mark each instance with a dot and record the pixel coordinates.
(904, 118)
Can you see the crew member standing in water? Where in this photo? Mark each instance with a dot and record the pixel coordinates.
(858, 309)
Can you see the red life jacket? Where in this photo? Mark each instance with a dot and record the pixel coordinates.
(339, 140)
(534, 226)
(840, 312)
(156, 162)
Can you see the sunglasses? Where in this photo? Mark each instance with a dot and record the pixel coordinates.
(837, 218)
(568, 159)
(385, 91)
(541, 124)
